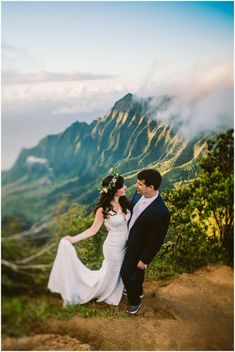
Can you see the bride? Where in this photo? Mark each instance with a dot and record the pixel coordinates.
(70, 277)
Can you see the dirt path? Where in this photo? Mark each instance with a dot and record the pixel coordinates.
(194, 312)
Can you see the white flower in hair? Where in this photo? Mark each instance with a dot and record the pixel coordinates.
(111, 184)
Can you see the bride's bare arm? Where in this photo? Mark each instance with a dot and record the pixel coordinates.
(91, 231)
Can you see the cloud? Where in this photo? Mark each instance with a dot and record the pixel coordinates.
(194, 83)
(201, 98)
(14, 57)
(13, 77)
(34, 160)
(62, 98)
(34, 72)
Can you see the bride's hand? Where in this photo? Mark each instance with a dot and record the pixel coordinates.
(70, 239)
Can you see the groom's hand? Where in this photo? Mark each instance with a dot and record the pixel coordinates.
(141, 265)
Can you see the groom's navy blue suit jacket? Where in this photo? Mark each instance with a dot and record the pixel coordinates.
(148, 232)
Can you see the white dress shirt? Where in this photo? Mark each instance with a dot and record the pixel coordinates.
(142, 204)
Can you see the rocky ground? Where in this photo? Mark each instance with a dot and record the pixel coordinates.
(193, 312)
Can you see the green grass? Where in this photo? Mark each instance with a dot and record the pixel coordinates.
(20, 314)
(163, 269)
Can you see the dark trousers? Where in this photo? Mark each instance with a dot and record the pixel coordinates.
(133, 279)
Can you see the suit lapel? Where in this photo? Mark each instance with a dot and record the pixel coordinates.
(151, 205)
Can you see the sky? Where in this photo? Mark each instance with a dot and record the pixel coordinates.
(68, 61)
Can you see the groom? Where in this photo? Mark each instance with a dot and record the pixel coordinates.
(147, 229)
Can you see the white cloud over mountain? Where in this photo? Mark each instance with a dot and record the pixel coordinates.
(202, 96)
(41, 101)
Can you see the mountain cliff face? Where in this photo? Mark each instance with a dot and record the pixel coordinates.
(128, 138)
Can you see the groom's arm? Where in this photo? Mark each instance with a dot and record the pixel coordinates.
(155, 240)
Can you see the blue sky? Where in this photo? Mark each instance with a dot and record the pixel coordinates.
(68, 61)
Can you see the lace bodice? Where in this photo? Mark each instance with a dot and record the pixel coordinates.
(117, 222)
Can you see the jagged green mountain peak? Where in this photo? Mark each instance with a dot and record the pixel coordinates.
(75, 161)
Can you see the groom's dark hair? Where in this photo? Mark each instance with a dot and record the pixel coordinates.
(151, 177)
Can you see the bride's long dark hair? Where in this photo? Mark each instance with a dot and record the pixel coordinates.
(108, 191)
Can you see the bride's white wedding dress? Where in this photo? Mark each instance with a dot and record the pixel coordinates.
(78, 284)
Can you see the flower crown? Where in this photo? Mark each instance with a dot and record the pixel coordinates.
(112, 183)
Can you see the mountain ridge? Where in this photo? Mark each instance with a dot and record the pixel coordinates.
(127, 138)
